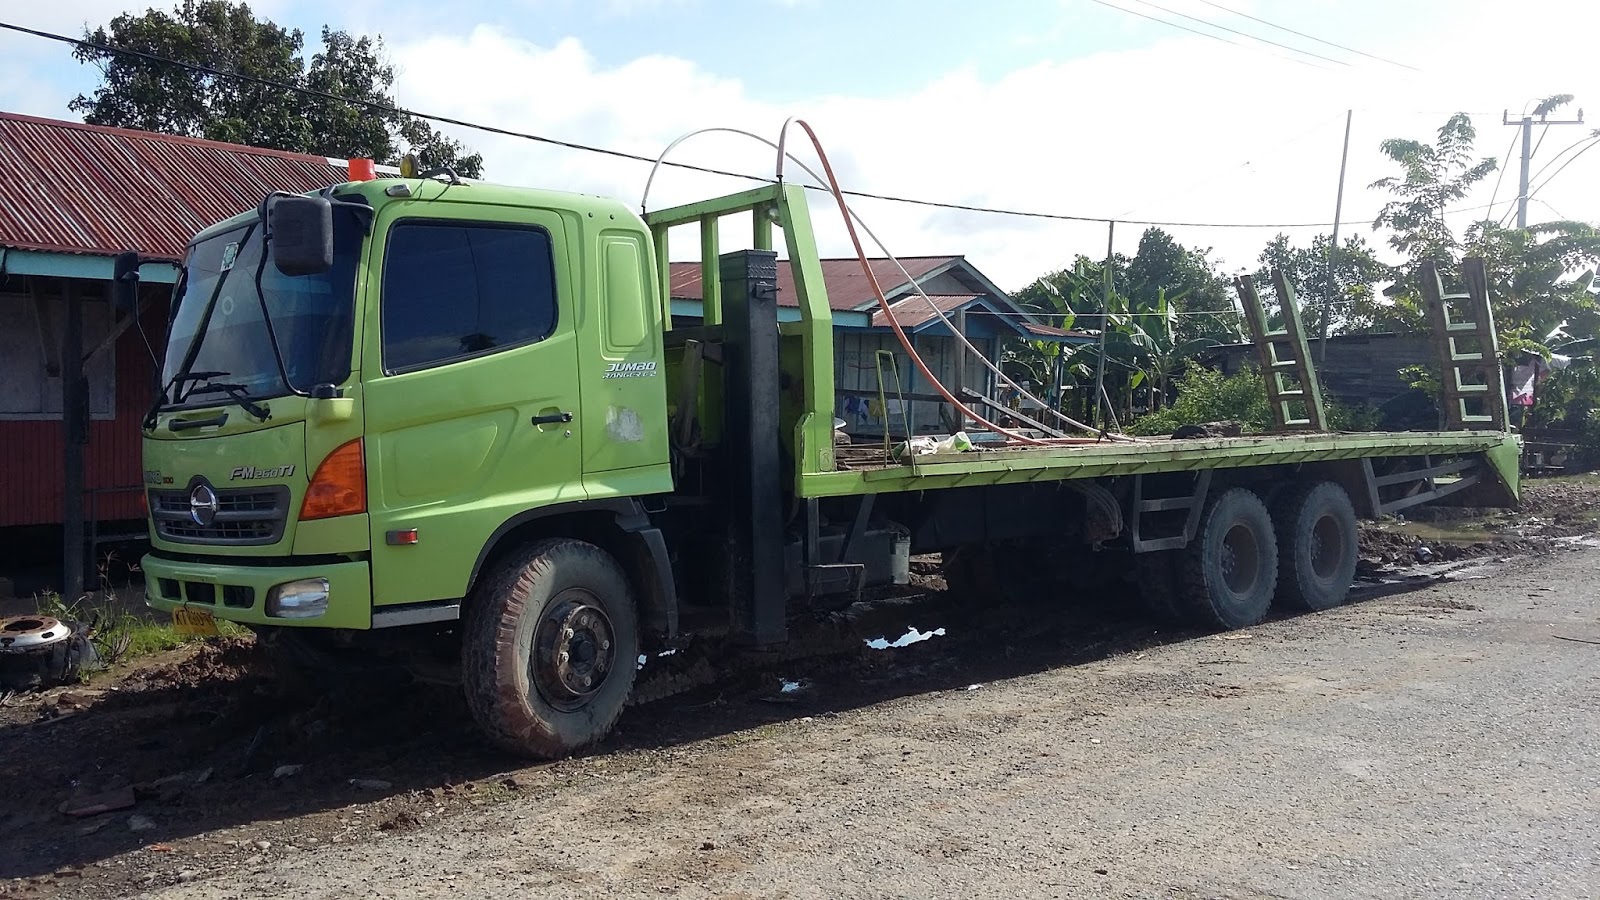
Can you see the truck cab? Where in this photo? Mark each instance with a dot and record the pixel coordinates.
(339, 443)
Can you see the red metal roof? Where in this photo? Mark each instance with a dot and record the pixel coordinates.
(914, 311)
(847, 285)
(67, 187)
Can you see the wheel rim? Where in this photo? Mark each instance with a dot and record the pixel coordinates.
(1327, 547)
(1241, 559)
(573, 650)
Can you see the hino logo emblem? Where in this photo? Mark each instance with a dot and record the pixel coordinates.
(203, 504)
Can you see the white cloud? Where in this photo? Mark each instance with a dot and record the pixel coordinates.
(1161, 132)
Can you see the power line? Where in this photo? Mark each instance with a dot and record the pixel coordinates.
(1253, 37)
(1310, 37)
(1493, 195)
(369, 105)
(1558, 212)
(1205, 34)
(1564, 151)
(1588, 141)
(573, 145)
(1570, 160)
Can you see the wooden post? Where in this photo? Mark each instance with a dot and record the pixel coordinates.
(74, 435)
(960, 351)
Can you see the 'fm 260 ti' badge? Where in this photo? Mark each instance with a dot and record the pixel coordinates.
(630, 370)
(251, 473)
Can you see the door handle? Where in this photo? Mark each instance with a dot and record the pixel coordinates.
(554, 418)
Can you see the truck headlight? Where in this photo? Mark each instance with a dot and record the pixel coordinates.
(303, 599)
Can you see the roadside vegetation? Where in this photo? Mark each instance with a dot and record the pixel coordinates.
(120, 630)
(1165, 308)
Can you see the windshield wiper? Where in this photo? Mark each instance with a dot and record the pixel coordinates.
(178, 396)
(239, 395)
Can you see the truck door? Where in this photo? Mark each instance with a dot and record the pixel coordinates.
(471, 396)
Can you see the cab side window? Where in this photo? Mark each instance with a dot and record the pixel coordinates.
(453, 292)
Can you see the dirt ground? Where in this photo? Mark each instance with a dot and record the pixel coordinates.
(1438, 737)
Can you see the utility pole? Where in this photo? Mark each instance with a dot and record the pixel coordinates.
(1527, 123)
(1333, 249)
(1104, 411)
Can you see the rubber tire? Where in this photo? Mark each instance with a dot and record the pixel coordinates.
(1296, 514)
(1206, 597)
(1160, 585)
(501, 618)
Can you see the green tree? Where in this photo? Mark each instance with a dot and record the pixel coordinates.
(1162, 266)
(1355, 306)
(227, 37)
(1433, 175)
(1168, 303)
(1541, 279)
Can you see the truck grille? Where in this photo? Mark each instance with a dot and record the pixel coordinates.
(244, 516)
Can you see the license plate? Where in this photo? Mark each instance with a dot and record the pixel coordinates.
(193, 621)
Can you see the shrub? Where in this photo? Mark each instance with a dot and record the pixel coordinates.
(1206, 395)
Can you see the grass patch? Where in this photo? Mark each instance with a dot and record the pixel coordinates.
(120, 635)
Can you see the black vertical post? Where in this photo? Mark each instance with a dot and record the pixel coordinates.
(74, 435)
(755, 488)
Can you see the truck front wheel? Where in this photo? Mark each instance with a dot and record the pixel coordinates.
(1230, 569)
(550, 648)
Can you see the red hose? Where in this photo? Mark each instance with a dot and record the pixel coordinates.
(883, 302)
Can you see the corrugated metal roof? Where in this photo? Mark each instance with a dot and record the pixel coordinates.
(1050, 331)
(67, 187)
(847, 285)
(913, 311)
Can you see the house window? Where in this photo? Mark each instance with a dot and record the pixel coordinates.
(28, 390)
(453, 292)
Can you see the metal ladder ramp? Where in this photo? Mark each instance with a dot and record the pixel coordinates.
(1453, 318)
(1283, 353)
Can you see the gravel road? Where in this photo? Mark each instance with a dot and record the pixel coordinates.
(1443, 742)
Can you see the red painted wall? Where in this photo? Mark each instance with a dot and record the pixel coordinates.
(31, 472)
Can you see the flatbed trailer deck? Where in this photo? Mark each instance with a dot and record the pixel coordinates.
(863, 470)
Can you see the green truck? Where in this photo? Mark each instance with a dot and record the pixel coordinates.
(426, 407)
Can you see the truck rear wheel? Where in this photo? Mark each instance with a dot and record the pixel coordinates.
(549, 649)
(1231, 567)
(1317, 545)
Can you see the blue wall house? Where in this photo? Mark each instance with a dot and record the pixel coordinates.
(968, 300)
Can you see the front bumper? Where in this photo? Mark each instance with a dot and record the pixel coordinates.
(238, 593)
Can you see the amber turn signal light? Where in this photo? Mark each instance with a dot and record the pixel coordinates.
(340, 486)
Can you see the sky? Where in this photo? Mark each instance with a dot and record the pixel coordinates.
(1073, 107)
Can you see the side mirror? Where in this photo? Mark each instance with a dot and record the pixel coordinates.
(300, 234)
(125, 282)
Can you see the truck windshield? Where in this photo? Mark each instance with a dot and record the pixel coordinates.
(219, 320)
